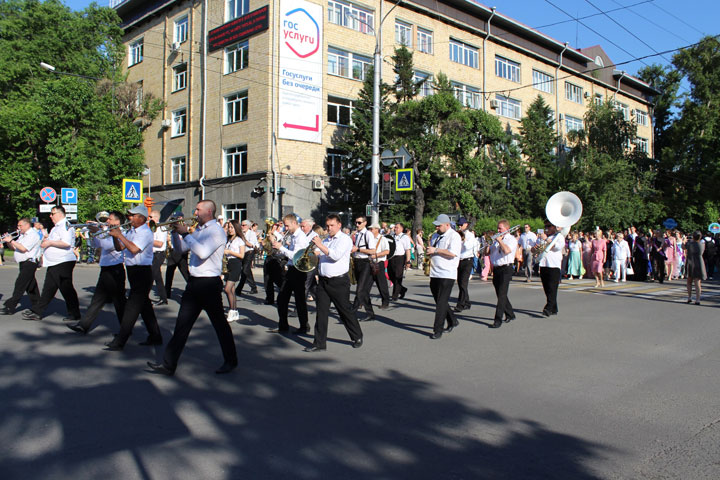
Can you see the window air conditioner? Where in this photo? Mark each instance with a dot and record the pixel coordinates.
(166, 123)
(561, 117)
(175, 47)
(632, 112)
(494, 104)
(318, 184)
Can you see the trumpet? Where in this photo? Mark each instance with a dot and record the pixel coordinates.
(13, 235)
(104, 233)
(190, 222)
(501, 234)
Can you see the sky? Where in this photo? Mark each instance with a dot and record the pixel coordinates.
(628, 30)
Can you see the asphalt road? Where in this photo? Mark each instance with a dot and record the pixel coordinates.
(621, 384)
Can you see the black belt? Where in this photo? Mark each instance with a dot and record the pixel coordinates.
(28, 260)
(503, 266)
(463, 259)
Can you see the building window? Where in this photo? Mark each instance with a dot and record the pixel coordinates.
(181, 29)
(403, 33)
(463, 53)
(336, 160)
(642, 144)
(139, 95)
(468, 96)
(235, 211)
(178, 169)
(543, 81)
(236, 57)
(339, 111)
(641, 118)
(624, 109)
(424, 40)
(179, 77)
(179, 122)
(509, 107)
(351, 16)
(573, 123)
(598, 99)
(237, 8)
(135, 55)
(507, 69)
(347, 64)
(236, 107)
(235, 160)
(426, 88)
(573, 93)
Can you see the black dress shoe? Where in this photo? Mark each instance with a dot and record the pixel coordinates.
(27, 312)
(394, 298)
(545, 313)
(357, 343)
(313, 349)
(152, 341)
(114, 346)
(11, 311)
(302, 330)
(254, 291)
(384, 306)
(269, 302)
(458, 309)
(32, 316)
(509, 319)
(450, 327)
(226, 368)
(496, 324)
(435, 336)
(279, 330)
(403, 292)
(76, 327)
(160, 302)
(160, 369)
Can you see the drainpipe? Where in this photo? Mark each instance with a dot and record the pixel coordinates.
(484, 62)
(557, 92)
(622, 74)
(273, 141)
(204, 101)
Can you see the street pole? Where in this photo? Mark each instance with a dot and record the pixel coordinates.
(375, 163)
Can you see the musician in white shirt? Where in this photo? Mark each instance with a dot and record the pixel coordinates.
(465, 266)
(159, 253)
(361, 261)
(526, 243)
(550, 262)
(294, 280)
(60, 260)
(251, 242)
(306, 226)
(334, 285)
(444, 250)
(378, 248)
(27, 249)
(203, 291)
(502, 257)
(400, 261)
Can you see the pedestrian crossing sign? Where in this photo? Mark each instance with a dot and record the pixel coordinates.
(132, 190)
(404, 180)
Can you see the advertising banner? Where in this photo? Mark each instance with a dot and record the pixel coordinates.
(301, 71)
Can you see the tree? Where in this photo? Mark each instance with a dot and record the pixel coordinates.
(537, 142)
(65, 131)
(406, 88)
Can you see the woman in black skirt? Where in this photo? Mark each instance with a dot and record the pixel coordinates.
(234, 253)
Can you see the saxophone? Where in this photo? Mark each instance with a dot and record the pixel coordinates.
(427, 260)
(225, 270)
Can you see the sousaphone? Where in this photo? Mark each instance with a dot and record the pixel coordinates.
(563, 210)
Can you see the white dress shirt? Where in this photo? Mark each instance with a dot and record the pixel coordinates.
(296, 242)
(402, 244)
(160, 236)
(54, 255)
(251, 238)
(554, 252)
(142, 237)
(379, 244)
(468, 245)
(234, 246)
(311, 235)
(207, 245)
(362, 241)
(108, 255)
(620, 250)
(497, 257)
(527, 240)
(440, 266)
(337, 261)
(31, 242)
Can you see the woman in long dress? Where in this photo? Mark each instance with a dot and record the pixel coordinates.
(574, 266)
(695, 266)
(598, 254)
(587, 253)
(670, 249)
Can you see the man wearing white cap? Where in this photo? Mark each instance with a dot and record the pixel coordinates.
(137, 245)
(444, 251)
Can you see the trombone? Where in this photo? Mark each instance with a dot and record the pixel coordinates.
(190, 222)
(13, 235)
(109, 227)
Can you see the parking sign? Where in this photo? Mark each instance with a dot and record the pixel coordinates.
(68, 195)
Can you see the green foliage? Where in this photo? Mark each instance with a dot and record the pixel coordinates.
(65, 131)
(405, 86)
(537, 143)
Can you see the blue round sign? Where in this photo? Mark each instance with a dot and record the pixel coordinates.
(670, 223)
(714, 228)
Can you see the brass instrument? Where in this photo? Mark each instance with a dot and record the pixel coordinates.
(427, 260)
(191, 223)
(563, 210)
(502, 234)
(267, 242)
(13, 235)
(306, 260)
(104, 233)
(225, 270)
(351, 271)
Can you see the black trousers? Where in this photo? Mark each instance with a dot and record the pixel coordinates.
(293, 284)
(25, 282)
(247, 274)
(550, 278)
(381, 281)
(441, 289)
(396, 269)
(174, 262)
(363, 277)
(658, 267)
(138, 303)
(463, 278)
(158, 259)
(202, 293)
(501, 282)
(311, 283)
(273, 276)
(110, 287)
(337, 291)
(59, 277)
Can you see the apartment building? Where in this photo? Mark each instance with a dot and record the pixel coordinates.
(257, 91)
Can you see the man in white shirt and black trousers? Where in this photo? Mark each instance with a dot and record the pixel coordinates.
(400, 261)
(251, 244)
(110, 286)
(306, 226)
(550, 267)
(502, 257)
(203, 291)
(60, 260)
(444, 251)
(159, 253)
(294, 280)
(334, 285)
(363, 275)
(137, 245)
(27, 248)
(465, 266)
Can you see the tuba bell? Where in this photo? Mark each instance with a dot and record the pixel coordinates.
(563, 210)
